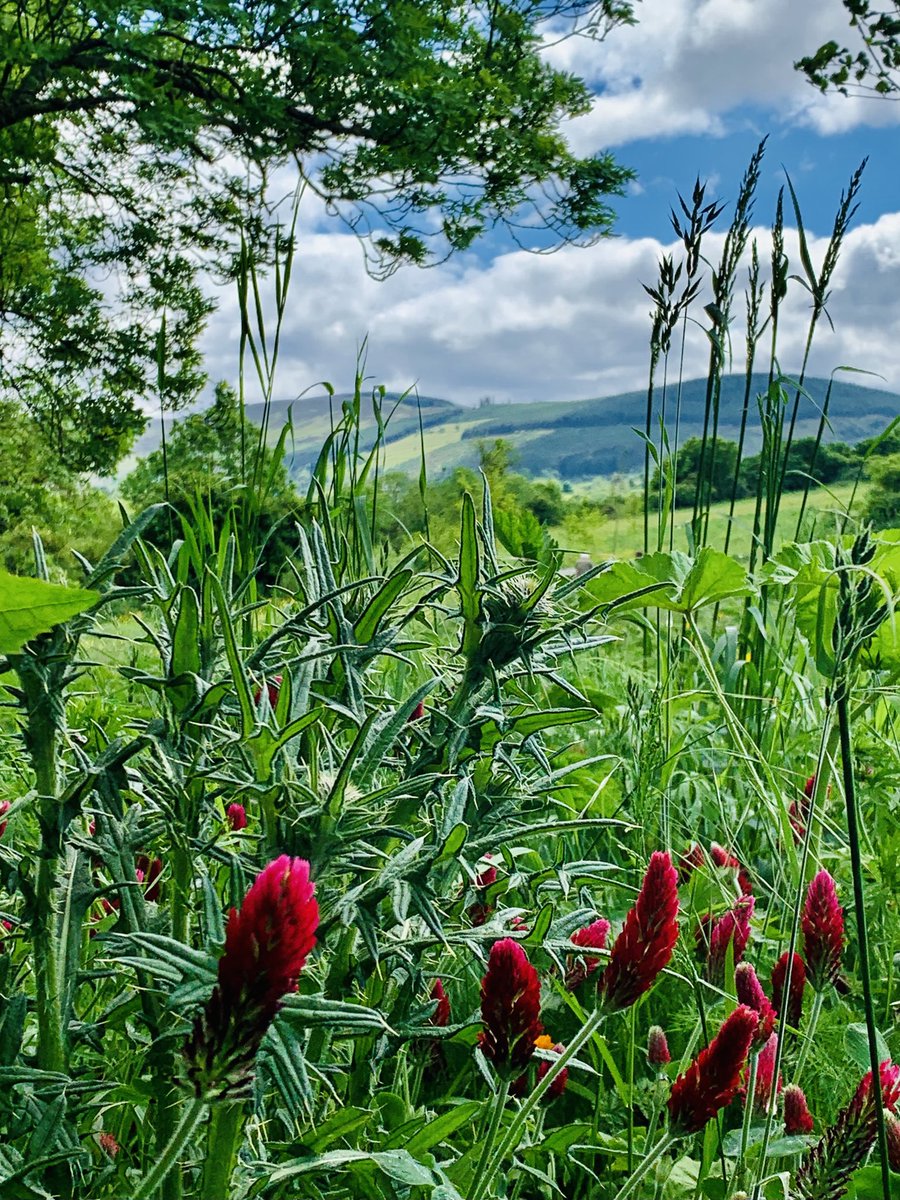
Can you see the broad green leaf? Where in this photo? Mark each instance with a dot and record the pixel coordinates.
(31, 606)
(438, 1130)
(856, 1046)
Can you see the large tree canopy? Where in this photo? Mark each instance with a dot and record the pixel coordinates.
(136, 142)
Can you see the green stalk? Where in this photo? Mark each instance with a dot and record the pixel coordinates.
(517, 1125)
(650, 1161)
(482, 1181)
(225, 1128)
(843, 714)
(748, 1112)
(170, 1154)
(818, 1000)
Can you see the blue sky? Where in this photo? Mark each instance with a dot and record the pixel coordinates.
(689, 91)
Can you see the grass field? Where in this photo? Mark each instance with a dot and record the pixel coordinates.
(620, 537)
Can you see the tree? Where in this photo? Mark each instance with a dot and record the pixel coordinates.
(687, 464)
(882, 506)
(38, 495)
(207, 456)
(873, 67)
(136, 145)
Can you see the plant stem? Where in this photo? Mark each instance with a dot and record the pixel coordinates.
(650, 1161)
(818, 1000)
(225, 1128)
(517, 1125)
(171, 1152)
(843, 714)
(482, 1181)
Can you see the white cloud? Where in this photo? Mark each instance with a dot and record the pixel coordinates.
(563, 326)
(689, 64)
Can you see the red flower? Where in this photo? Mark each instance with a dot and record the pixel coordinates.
(147, 872)
(592, 936)
(236, 816)
(510, 1007)
(558, 1086)
(480, 911)
(417, 713)
(765, 1074)
(724, 859)
(712, 1080)
(657, 1047)
(108, 1144)
(823, 932)
(749, 991)
(4, 808)
(689, 862)
(267, 943)
(645, 945)
(798, 983)
(441, 1015)
(809, 787)
(518, 924)
(273, 689)
(733, 927)
(797, 1117)
(827, 1167)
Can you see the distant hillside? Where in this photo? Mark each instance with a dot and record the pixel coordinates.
(575, 439)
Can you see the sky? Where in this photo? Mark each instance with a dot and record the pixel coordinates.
(688, 92)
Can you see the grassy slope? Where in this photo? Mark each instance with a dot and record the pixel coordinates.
(621, 537)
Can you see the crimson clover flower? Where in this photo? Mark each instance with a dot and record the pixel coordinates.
(236, 815)
(267, 943)
(827, 1167)
(797, 1117)
(644, 947)
(749, 991)
(441, 1015)
(657, 1047)
(592, 937)
(725, 859)
(823, 932)
(510, 1007)
(764, 1094)
(712, 1080)
(798, 983)
(733, 927)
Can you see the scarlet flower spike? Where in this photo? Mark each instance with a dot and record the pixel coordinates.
(797, 1117)
(644, 947)
(734, 928)
(510, 1008)
(558, 1086)
(592, 937)
(267, 943)
(823, 932)
(4, 808)
(480, 911)
(827, 1167)
(725, 859)
(798, 983)
(893, 1140)
(749, 991)
(236, 816)
(441, 1015)
(712, 1080)
(657, 1047)
(763, 1093)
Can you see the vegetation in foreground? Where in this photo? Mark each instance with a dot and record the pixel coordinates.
(424, 871)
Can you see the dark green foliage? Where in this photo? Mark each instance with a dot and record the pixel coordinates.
(136, 148)
(209, 461)
(883, 502)
(38, 493)
(873, 66)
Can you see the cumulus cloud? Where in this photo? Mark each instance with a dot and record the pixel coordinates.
(569, 325)
(690, 65)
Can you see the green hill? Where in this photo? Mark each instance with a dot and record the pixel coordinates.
(574, 439)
